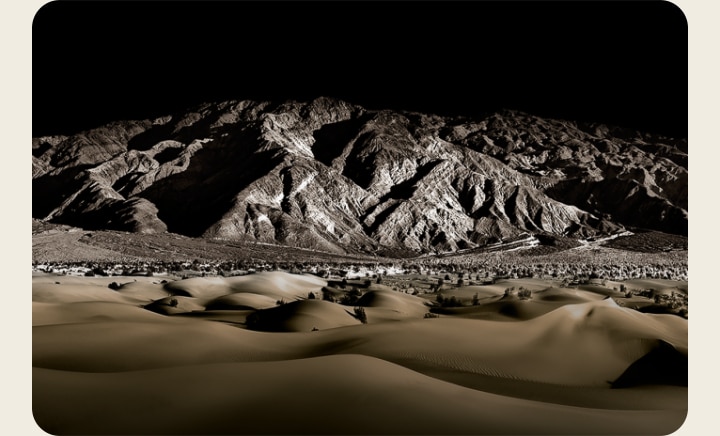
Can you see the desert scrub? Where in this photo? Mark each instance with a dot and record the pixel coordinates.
(360, 314)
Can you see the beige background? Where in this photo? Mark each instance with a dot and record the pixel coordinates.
(16, 118)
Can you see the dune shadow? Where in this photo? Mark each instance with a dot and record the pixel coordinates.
(663, 365)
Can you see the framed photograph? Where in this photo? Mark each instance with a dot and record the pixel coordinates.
(371, 218)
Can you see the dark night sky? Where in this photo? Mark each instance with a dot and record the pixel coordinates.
(622, 63)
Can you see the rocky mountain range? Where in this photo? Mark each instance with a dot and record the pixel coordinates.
(336, 177)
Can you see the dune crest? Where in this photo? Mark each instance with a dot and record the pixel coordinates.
(302, 316)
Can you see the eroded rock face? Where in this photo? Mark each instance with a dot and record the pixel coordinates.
(333, 176)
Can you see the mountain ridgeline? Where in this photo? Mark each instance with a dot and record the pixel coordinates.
(333, 176)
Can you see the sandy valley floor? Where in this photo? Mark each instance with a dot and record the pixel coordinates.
(178, 358)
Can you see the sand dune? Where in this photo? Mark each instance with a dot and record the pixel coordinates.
(604, 340)
(570, 347)
(105, 364)
(302, 316)
(655, 284)
(602, 290)
(174, 305)
(241, 301)
(500, 309)
(466, 293)
(512, 308)
(276, 285)
(565, 295)
(102, 281)
(68, 289)
(143, 291)
(388, 305)
(204, 288)
(59, 293)
(163, 342)
(88, 311)
(346, 394)
(527, 283)
(233, 317)
(379, 287)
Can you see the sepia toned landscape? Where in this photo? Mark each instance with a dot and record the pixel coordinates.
(431, 228)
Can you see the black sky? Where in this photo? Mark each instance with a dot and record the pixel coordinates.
(622, 63)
